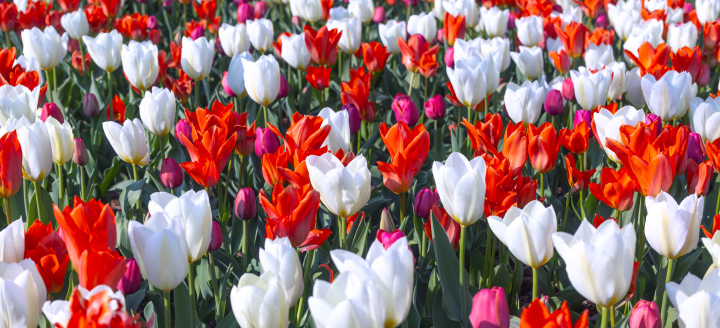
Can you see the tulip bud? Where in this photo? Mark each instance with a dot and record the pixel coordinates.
(168, 4)
(245, 145)
(355, 118)
(216, 237)
(568, 90)
(439, 37)
(171, 174)
(197, 33)
(50, 109)
(695, 148)
(602, 20)
(435, 107)
(183, 128)
(387, 222)
(90, 105)
(80, 155)
(704, 76)
(295, 20)
(424, 200)
(131, 280)
(284, 88)
(225, 84)
(388, 238)
(557, 8)
(554, 104)
(152, 23)
(645, 315)
(218, 47)
(583, 116)
(450, 58)
(405, 110)
(511, 21)
(245, 12)
(379, 15)
(650, 119)
(245, 204)
(490, 309)
(261, 7)
(266, 142)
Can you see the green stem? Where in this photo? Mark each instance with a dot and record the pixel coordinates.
(197, 95)
(535, 283)
(61, 185)
(342, 224)
(213, 280)
(49, 82)
(542, 185)
(7, 39)
(138, 216)
(191, 287)
(717, 204)
(83, 192)
(668, 277)
(299, 78)
(463, 277)
(582, 206)
(37, 202)
(8, 214)
(264, 108)
(640, 229)
(82, 58)
(110, 97)
(403, 196)
(567, 207)
(245, 245)
(412, 81)
(603, 323)
(26, 201)
(168, 318)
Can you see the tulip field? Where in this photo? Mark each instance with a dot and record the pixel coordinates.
(360, 163)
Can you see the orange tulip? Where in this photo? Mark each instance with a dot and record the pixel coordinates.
(11, 168)
(651, 60)
(600, 36)
(304, 137)
(577, 179)
(509, 189)
(590, 7)
(543, 147)
(536, 315)
(100, 311)
(271, 164)
(486, 135)
(206, 12)
(45, 247)
(117, 109)
(598, 220)
(408, 150)
(715, 227)
(688, 60)
(204, 171)
(374, 56)
(292, 214)
(576, 140)
(428, 65)
(451, 227)
(572, 38)
(319, 77)
(616, 188)
(699, 177)
(100, 267)
(413, 51)
(515, 146)
(711, 35)
(561, 61)
(713, 153)
(357, 92)
(454, 27)
(322, 45)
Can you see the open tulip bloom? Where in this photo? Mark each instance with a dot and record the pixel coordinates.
(360, 163)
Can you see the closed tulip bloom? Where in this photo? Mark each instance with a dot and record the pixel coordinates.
(349, 301)
(423, 24)
(61, 140)
(598, 56)
(245, 204)
(554, 104)
(90, 105)
(668, 97)
(673, 229)
(435, 107)
(171, 174)
(362, 9)
(461, 186)
(599, 261)
(104, 49)
(524, 102)
(494, 21)
(18, 102)
(339, 137)
(623, 20)
(707, 11)
(193, 210)
(697, 301)
(236, 73)
(12, 242)
(389, 34)
(131, 280)
(530, 30)
(379, 15)
(260, 302)
(682, 35)
(466, 8)
(530, 61)
(245, 12)
(197, 57)
(157, 111)
(591, 89)
(295, 52)
(424, 201)
(499, 49)
(607, 125)
(128, 141)
(350, 37)
(344, 190)
(261, 32)
(645, 314)
(469, 78)
(183, 128)
(140, 64)
(160, 250)
(527, 233)
(217, 237)
(75, 24)
(280, 258)
(309, 10)
(234, 39)
(262, 79)
(633, 88)
(48, 47)
(266, 141)
(705, 118)
(49, 109)
(375, 56)
(490, 309)
(617, 82)
(11, 157)
(36, 149)
(405, 110)
(22, 290)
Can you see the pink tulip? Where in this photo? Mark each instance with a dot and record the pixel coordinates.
(645, 315)
(388, 238)
(216, 237)
(171, 174)
(490, 309)
(226, 86)
(405, 110)
(51, 110)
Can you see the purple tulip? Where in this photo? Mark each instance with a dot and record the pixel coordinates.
(583, 116)
(171, 174)
(80, 154)
(90, 105)
(602, 20)
(652, 118)
(695, 148)
(131, 280)
(405, 110)
(511, 21)
(152, 23)
(245, 204)
(183, 128)
(554, 104)
(450, 58)
(216, 239)
(284, 88)
(388, 238)
(245, 13)
(266, 142)
(424, 200)
(261, 7)
(50, 109)
(490, 309)
(355, 118)
(197, 33)
(435, 107)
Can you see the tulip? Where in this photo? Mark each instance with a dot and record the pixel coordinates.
(524, 102)
(128, 141)
(490, 308)
(140, 64)
(226, 85)
(695, 148)
(18, 102)
(454, 26)
(450, 56)
(354, 117)
(236, 74)
(423, 24)
(355, 195)
(645, 315)
(22, 289)
(51, 110)
(705, 118)
(386, 220)
(494, 21)
(623, 20)
(596, 57)
(171, 174)
(530, 30)
(160, 250)
(671, 229)
(11, 175)
(183, 131)
(12, 242)
(583, 116)
(339, 137)
(633, 88)
(389, 34)
(266, 142)
(375, 56)
(262, 79)
(281, 259)
(362, 9)
(591, 89)
(568, 90)
(707, 11)
(216, 239)
(284, 90)
(466, 181)
(387, 239)
(589, 246)
(554, 104)
(75, 24)
(405, 110)
(192, 209)
(36, 148)
(234, 39)
(617, 82)
(157, 111)
(435, 107)
(61, 140)
(349, 301)
(295, 52)
(351, 32)
(309, 10)
(90, 105)
(197, 33)
(471, 77)
(104, 49)
(408, 150)
(607, 125)
(260, 301)
(197, 57)
(245, 204)
(499, 49)
(683, 35)
(322, 44)
(245, 12)
(260, 32)
(466, 8)
(131, 280)
(318, 77)
(48, 47)
(379, 15)
(529, 61)
(425, 199)
(537, 315)
(695, 300)
(668, 97)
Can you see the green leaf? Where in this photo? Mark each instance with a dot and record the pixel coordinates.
(149, 312)
(109, 175)
(46, 206)
(185, 316)
(449, 271)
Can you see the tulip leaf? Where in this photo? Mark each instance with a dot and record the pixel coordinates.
(183, 317)
(149, 312)
(359, 240)
(109, 175)
(156, 302)
(46, 206)
(448, 269)
(228, 322)
(623, 322)
(439, 317)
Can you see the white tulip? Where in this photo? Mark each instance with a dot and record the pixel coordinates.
(12, 242)
(462, 49)
(140, 64)
(349, 302)
(280, 258)
(499, 49)
(650, 31)
(553, 45)
(674, 16)
(160, 250)
(623, 20)
(351, 33)
(31, 64)
(389, 34)
(262, 79)
(423, 24)
(696, 301)
(495, 21)
(261, 33)
(192, 210)
(467, 8)
(530, 30)
(236, 73)
(75, 24)
(47, 46)
(61, 140)
(591, 89)
(295, 52)
(339, 137)
(36, 149)
(683, 35)
(438, 10)
(197, 57)
(128, 141)
(572, 14)
(260, 302)
(524, 102)
(527, 233)
(705, 118)
(596, 57)
(712, 245)
(104, 49)
(309, 10)
(22, 291)
(343, 190)
(339, 13)
(653, 5)
(608, 125)
(234, 39)
(468, 78)
(599, 262)
(668, 97)
(529, 61)
(157, 111)
(617, 83)
(707, 11)
(362, 9)
(18, 102)
(673, 230)
(633, 88)
(461, 186)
